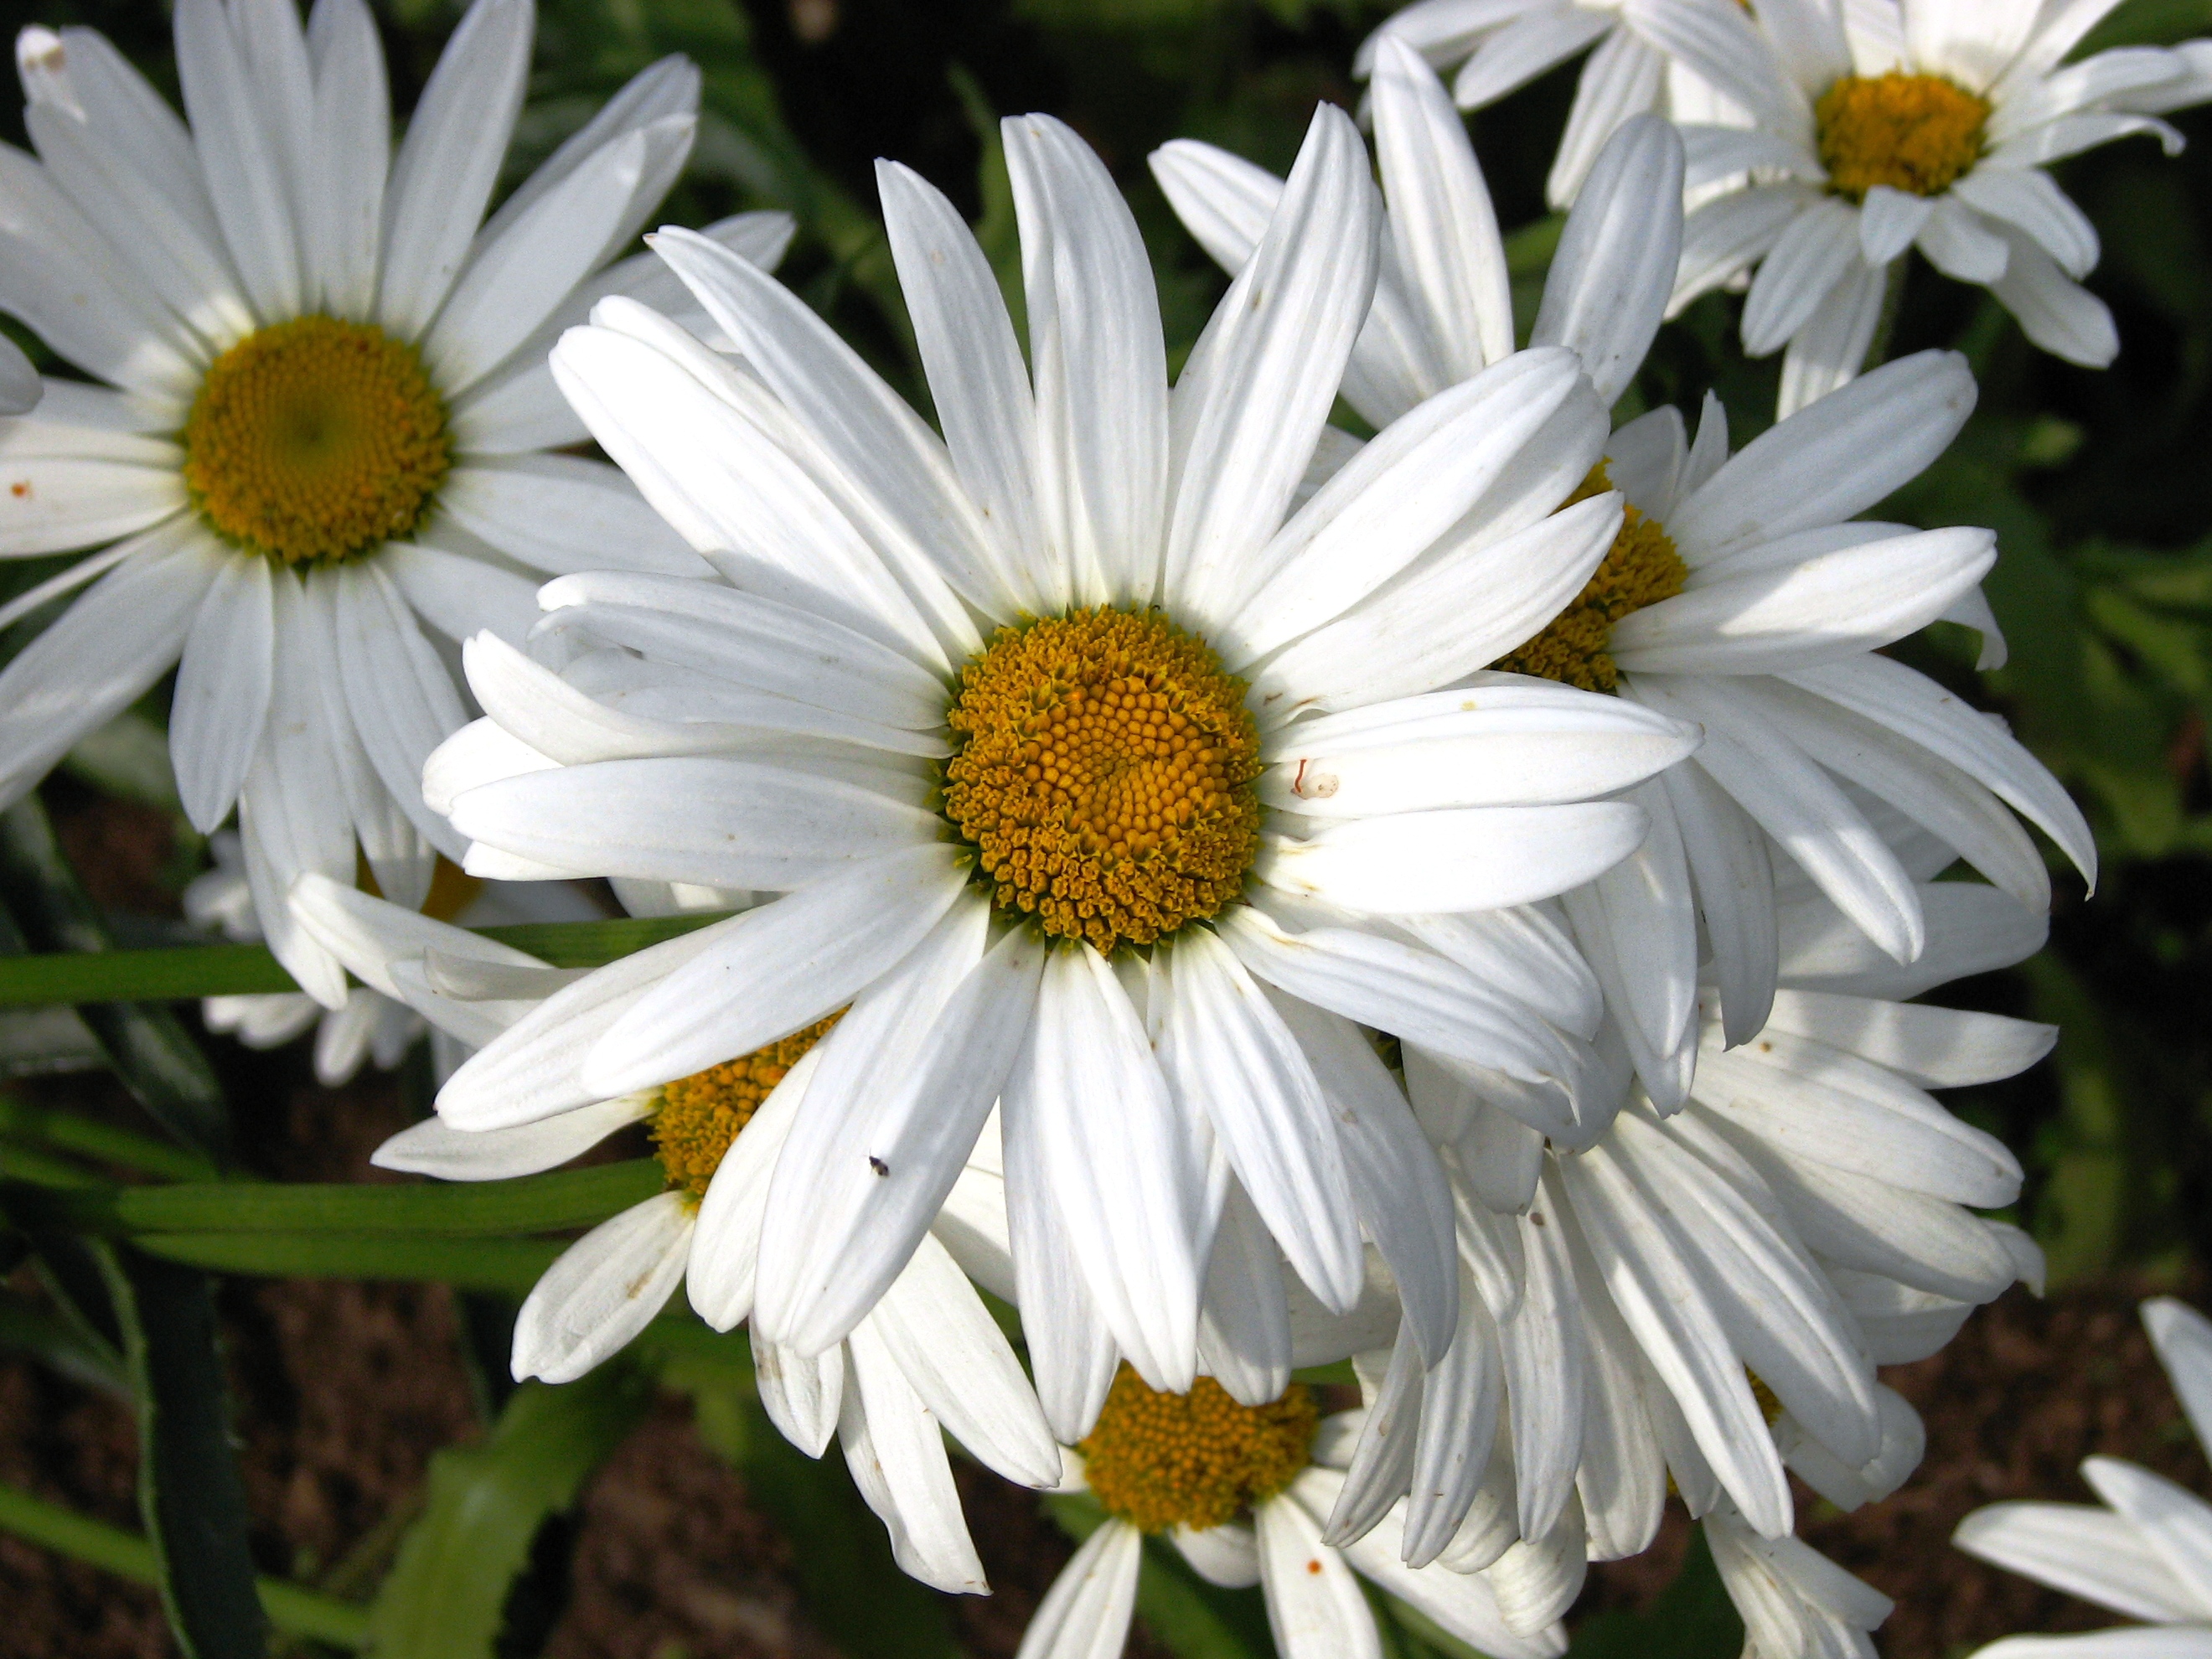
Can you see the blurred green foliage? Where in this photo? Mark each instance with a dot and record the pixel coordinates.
(2100, 484)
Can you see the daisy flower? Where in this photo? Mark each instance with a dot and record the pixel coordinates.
(1102, 770)
(1242, 1491)
(1739, 593)
(1925, 123)
(2142, 1552)
(1499, 47)
(1698, 1302)
(928, 1358)
(370, 1026)
(322, 419)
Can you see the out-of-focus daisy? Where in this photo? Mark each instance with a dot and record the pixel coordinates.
(926, 1359)
(1078, 856)
(325, 418)
(1243, 1492)
(1699, 1301)
(370, 1026)
(1500, 45)
(2145, 1552)
(1739, 593)
(1925, 123)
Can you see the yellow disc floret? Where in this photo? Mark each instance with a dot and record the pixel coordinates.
(1105, 771)
(1916, 133)
(1194, 1459)
(315, 440)
(1641, 568)
(700, 1115)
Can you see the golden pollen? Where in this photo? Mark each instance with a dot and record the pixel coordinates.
(1641, 568)
(1916, 133)
(1106, 772)
(1194, 1459)
(701, 1114)
(315, 440)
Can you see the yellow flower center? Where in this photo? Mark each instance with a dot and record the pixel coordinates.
(1194, 1459)
(1916, 133)
(315, 440)
(700, 1115)
(1105, 771)
(1641, 568)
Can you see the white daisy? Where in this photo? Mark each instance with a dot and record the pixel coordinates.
(2146, 1552)
(1794, 1603)
(369, 1026)
(1739, 594)
(1701, 1299)
(325, 420)
(1242, 1491)
(1500, 45)
(1925, 123)
(928, 1358)
(1031, 726)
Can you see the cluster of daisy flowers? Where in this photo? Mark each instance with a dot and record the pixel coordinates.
(1248, 895)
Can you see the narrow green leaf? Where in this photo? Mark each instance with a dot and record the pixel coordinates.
(446, 1594)
(189, 1489)
(58, 1343)
(68, 1132)
(541, 1203)
(292, 1609)
(208, 970)
(512, 1264)
(151, 1052)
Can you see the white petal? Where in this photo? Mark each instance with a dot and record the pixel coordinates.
(722, 1279)
(1256, 389)
(1798, 803)
(399, 694)
(1610, 280)
(1735, 890)
(2175, 1523)
(2183, 1337)
(781, 967)
(1315, 1610)
(1467, 859)
(1621, 80)
(1129, 1184)
(803, 1397)
(101, 655)
(560, 513)
(1086, 1614)
(1227, 1555)
(1382, 1463)
(342, 176)
(1959, 243)
(1413, 483)
(1100, 365)
(458, 595)
(921, 521)
(2024, 198)
(1972, 929)
(2086, 1552)
(1638, 925)
(222, 690)
(1229, 1056)
(1244, 1319)
(242, 158)
(444, 171)
(1724, 237)
(2055, 312)
(1524, 48)
(976, 376)
(57, 503)
(434, 1147)
(899, 1114)
(895, 1452)
(1828, 351)
(1072, 1351)
(931, 1322)
(1442, 225)
(606, 1287)
(1936, 1048)
(1467, 609)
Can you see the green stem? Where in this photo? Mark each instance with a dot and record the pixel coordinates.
(211, 970)
(295, 1611)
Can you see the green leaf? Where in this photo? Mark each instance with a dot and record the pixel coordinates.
(150, 1051)
(189, 1489)
(211, 970)
(446, 1594)
(559, 1199)
(67, 1131)
(292, 1609)
(60, 1344)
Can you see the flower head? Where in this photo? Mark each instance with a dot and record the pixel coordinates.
(318, 428)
